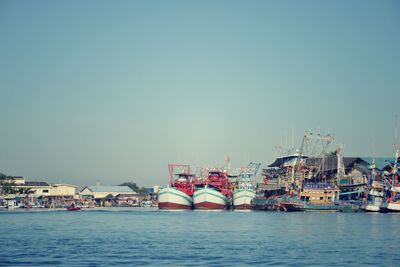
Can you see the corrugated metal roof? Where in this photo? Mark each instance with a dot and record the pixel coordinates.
(330, 163)
(112, 188)
(36, 184)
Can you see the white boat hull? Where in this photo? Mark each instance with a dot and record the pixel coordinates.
(393, 207)
(242, 199)
(375, 201)
(372, 208)
(208, 198)
(173, 199)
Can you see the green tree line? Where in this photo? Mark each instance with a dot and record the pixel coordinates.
(7, 187)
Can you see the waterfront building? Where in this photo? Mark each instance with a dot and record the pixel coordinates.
(48, 195)
(42, 194)
(45, 189)
(100, 193)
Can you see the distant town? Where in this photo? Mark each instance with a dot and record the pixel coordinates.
(17, 192)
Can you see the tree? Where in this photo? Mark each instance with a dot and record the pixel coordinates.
(135, 188)
(108, 197)
(7, 184)
(9, 188)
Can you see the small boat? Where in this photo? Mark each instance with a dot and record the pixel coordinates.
(73, 208)
(147, 203)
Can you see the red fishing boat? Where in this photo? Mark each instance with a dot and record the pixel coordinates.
(214, 192)
(178, 194)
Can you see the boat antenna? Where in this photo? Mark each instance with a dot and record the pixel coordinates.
(396, 147)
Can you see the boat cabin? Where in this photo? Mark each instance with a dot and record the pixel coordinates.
(319, 193)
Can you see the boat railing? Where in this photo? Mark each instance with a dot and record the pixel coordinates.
(319, 185)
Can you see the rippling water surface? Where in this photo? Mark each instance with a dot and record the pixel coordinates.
(116, 237)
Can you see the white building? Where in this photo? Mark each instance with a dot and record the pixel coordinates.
(45, 189)
(99, 192)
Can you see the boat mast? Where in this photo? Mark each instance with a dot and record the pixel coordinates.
(171, 168)
(396, 147)
(340, 164)
(308, 136)
(296, 169)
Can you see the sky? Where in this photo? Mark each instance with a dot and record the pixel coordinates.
(113, 91)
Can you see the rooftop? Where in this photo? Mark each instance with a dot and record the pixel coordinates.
(17, 177)
(36, 184)
(112, 188)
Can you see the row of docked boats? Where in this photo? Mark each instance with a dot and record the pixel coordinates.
(329, 182)
(384, 192)
(294, 182)
(216, 190)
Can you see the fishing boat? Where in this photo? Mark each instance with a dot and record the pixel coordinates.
(313, 186)
(273, 185)
(319, 197)
(209, 198)
(375, 197)
(178, 194)
(393, 200)
(213, 193)
(393, 204)
(245, 192)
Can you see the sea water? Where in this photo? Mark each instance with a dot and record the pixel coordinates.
(140, 236)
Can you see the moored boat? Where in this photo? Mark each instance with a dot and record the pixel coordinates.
(178, 194)
(242, 198)
(319, 197)
(73, 207)
(269, 190)
(213, 193)
(375, 197)
(393, 201)
(171, 198)
(312, 180)
(209, 198)
(245, 193)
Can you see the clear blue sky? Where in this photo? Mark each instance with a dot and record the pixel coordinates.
(116, 90)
